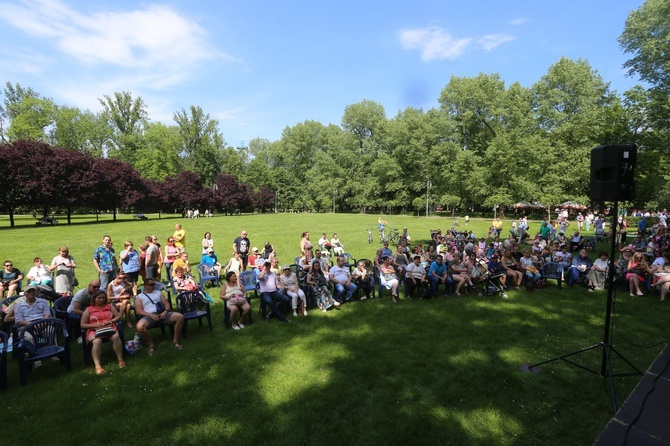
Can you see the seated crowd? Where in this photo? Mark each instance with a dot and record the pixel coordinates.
(459, 261)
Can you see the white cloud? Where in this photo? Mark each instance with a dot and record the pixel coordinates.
(519, 21)
(156, 44)
(491, 41)
(434, 43)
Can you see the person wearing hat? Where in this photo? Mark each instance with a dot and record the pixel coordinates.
(270, 294)
(626, 256)
(211, 263)
(255, 260)
(31, 309)
(291, 287)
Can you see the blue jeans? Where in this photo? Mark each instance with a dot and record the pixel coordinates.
(270, 298)
(436, 281)
(339, 290)
(532, 278)
(574, 274)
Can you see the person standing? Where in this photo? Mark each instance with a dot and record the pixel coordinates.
(104, 260)
(179, 237)
(151, 258)
(241, 246)
(64, 265)
(130, 264)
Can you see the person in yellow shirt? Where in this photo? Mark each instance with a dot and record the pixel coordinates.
(179, 237)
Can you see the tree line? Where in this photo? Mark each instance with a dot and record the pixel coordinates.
(38, 176)
(487, 144)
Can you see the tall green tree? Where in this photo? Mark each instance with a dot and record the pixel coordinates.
(646, 37)
(128, 117)
(201, 142)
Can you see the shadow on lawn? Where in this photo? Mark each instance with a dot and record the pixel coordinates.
(425, 372)
(389, 377)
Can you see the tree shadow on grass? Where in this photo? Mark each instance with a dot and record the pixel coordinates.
(426, 372)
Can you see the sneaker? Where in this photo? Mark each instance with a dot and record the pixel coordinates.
(337, 304)
(295, 313)
(80, 340)
(236, 327)
(304, 313)
(239, 324)
(364, 297)
(37, 364)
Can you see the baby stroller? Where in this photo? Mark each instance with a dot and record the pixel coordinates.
(491, 283)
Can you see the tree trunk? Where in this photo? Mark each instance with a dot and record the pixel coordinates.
(114, 213)
(11, 218)
(69, 213)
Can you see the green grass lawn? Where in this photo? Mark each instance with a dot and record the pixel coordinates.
(372, 372)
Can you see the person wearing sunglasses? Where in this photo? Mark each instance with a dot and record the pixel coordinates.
(154, 310)
(78, 304)
(10, 279)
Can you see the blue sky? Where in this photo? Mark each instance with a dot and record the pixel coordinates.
(259, 66)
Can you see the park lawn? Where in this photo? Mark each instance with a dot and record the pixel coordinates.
(372, 372)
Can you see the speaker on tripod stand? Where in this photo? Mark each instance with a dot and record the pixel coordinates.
(613, 172)
(612, 179)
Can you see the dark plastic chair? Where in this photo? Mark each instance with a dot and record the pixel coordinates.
(247, 279)
(4, 305)
(205, 277)
(349, 260)
(60, 307)
(552, 270)
(193, 306)
(3, 360)
(88, 347)
(51, 340)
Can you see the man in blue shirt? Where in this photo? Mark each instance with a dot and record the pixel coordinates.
(104, 260)
(581, 265)
(211, 262)
(437, 274)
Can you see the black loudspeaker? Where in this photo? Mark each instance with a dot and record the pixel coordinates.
(613, 172)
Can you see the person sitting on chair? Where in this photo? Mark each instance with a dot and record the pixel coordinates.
(338, 247)
(118, 294)
(101, 314)
(183, 281)
(211, 263)
(10, 279)
(576, 241)
(291, 287)
(39, 274)
(235, 298)
(153, 308)
(581, 265)
(635, 273)
(341, 279)
(29, 310)
(416, 278)
(269, 287)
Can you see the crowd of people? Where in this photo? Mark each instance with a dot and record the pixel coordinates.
(459, 261)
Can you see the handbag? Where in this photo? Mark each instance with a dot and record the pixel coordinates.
(104, 332)
(160, 306)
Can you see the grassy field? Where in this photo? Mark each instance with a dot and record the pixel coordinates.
(372, 372)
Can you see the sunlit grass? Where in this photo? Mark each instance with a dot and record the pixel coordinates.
(373, 372)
